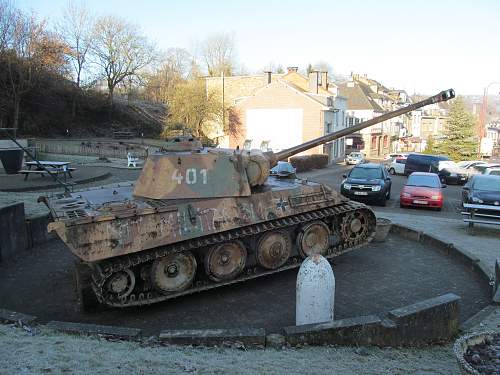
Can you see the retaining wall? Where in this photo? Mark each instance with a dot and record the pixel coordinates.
(18, 233)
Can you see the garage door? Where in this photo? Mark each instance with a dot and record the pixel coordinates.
(281, 127)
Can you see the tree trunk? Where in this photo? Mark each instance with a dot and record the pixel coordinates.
(76, 93)
(110, 101)
(17, 105)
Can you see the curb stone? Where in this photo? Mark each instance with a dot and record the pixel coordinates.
(244, 337)
(94, 329)
(14, 317)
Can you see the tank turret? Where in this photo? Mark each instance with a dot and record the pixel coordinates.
(184, 169)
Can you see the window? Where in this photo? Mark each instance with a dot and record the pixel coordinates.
(351, 121)
(328, 127)
(386, 141)
(356, 121)
(374, 143)
(421, 180)
(368, 173)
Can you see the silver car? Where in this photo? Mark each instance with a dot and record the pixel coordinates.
(355, 158)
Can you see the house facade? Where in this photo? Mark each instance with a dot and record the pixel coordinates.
(278, 111)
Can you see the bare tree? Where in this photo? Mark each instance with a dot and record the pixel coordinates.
(121, 50)
(174, 69)
(77, 30)
(30, 51)
(218, 53)
(7, 20)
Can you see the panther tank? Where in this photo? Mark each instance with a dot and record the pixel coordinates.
(199, 218)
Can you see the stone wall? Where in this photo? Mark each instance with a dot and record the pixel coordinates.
(18, 233)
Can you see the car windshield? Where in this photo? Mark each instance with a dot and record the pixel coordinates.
(283, 168)
(487, 183)
(366, 173)
(427, 181)
(355, 155)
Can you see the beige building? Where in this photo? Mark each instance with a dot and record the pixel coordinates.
(278, 111)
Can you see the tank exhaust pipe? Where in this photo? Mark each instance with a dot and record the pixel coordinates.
(285, 154)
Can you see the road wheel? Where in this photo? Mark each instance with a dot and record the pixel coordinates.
(401, 205)
(174, 272)
(273, 249)
(225, 261)
(392, 171)
(388, 195)
(313, 238)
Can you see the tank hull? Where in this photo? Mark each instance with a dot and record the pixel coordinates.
(120, 239)
(111, 228)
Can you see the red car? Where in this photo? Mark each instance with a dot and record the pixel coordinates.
(422, 189)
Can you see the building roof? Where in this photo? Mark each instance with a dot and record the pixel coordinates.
(302, 83)
(290, 86)
(357, 97)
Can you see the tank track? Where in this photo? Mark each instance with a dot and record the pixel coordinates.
(104, 270)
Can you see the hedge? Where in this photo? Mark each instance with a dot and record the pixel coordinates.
(307, 162)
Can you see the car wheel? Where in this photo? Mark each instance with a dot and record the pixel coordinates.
(382, 201)
(388, 194)
(392, 171)
(401, 205)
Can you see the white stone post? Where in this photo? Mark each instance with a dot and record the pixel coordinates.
(315, 291)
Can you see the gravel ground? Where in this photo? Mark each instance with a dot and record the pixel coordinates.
(48, 353)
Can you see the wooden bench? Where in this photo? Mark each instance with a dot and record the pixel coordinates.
(481, 214)
(42, 172)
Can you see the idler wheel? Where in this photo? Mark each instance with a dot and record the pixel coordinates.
(355, 225)
(173, 272)
(313, 238)
(273, 249)
(225, 261)
(121, 283)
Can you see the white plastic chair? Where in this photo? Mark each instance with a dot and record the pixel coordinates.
(132, 160)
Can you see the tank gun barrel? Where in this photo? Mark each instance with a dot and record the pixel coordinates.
(285, 154)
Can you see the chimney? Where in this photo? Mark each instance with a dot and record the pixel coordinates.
(324, 80)
(292, 69)
(313, 82)
(267, 76)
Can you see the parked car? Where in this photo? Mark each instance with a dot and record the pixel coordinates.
(397, 166)
(447, 170)
(468, 164)
(355, 158)
(395, 156)
(283, 169)
(495, 171)
(481, 168)
(482, 189)
(369, 182)
(422, 189)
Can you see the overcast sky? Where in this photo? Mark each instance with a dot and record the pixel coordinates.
(421, 46)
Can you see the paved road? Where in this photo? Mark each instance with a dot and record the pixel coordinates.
(370, 280)
(452, 193)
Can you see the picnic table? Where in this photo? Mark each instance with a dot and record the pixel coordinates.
(57, 167)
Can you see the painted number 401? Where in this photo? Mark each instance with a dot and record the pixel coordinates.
(191, 177)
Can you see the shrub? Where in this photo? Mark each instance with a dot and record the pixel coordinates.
(307, 162)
